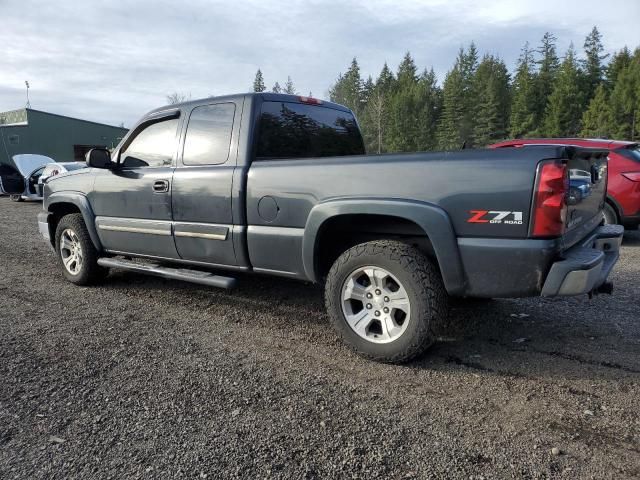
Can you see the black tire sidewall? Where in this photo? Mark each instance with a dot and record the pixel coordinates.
(90, 270)
(419, 330)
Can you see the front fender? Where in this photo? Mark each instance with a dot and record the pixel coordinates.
(80, 201)
(433, 220)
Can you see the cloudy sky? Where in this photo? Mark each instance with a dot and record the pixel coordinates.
(112, 61)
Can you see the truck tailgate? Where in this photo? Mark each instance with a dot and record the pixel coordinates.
(587, 190)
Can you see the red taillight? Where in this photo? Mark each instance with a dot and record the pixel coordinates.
(550, 206)
(633, 176)
(310, 100)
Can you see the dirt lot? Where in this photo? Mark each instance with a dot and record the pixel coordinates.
(147, 378)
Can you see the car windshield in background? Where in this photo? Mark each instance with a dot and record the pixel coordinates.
(294, 130)
(632, 152)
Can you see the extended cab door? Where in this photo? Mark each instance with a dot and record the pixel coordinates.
(132, 203)
(202, 185)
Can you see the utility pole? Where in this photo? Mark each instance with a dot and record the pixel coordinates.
(26, 82)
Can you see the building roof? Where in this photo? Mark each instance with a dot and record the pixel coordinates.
(21, 117)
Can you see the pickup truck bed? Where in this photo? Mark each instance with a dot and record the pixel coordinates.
(278, 184)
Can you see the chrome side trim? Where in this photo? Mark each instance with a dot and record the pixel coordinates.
(208, 231)
(273, 230)
(152, 231)
(208, 236)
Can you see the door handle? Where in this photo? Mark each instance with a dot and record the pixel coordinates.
(161, 186)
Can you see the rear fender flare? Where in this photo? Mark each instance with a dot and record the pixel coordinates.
(80, 201)
(432, 219)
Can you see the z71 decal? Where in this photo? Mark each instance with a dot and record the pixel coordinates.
(494, 216)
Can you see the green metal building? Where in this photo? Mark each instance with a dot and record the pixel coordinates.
(64, 139)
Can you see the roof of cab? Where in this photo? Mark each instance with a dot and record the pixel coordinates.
(583, 142)
(266, 96)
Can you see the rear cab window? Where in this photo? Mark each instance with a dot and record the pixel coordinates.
(295, 130)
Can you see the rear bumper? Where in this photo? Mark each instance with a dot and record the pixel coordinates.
(586, 266)
(502, 268)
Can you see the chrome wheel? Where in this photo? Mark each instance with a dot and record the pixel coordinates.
(71, 251)
(375, 304)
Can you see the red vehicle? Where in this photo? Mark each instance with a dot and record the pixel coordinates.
(623, 190)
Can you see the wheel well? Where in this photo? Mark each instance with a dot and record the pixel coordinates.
(344, 231)
(59, 210)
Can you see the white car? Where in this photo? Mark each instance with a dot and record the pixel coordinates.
(56, 168)
(24, 176)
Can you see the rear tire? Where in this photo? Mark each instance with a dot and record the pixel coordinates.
(77, 255)
(16, 198)
(609, 215)
(384, 299)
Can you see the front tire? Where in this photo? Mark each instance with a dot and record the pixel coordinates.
(384, 298)
(76, 252)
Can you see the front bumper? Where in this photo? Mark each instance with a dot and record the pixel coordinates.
(586, 266)
(43, 225)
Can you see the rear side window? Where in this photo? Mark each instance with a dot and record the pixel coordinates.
(294, 130)
(209, 134)
(632, 153)
(153, 147)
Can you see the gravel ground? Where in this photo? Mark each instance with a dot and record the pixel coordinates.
(147, 378)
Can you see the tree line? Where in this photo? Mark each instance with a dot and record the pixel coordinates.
(481, 102)
(259, 85)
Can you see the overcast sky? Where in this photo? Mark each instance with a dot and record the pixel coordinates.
(113, 61)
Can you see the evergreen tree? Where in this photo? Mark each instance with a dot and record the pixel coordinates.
(413, 107)
(276, 88)
(375, 117)
(619, 62)
(564, 110)
(289, 88)
(596, 120)
(459, 103)
(449, 133)
(547, 71)
(491, 87)
(593, 66)
(625, 101)
(386, 79)
(348, 90)
(258, 82)
(429, 105)
(523, 108)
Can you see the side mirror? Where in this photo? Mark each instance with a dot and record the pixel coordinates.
(99, 158)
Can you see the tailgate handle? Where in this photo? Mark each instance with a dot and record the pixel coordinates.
(161, 186)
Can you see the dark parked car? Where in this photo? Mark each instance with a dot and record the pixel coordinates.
(280, 185)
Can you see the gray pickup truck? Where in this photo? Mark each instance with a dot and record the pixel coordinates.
(281, 185)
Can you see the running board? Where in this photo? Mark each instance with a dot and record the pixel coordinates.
(187, 275)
